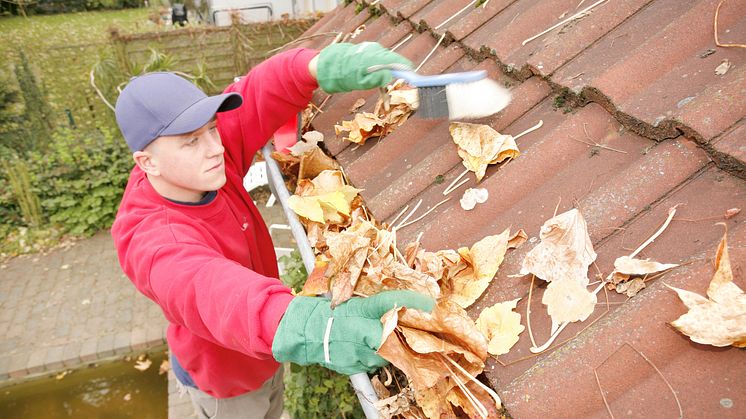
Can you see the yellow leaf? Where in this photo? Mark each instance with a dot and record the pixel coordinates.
(721, 319)
(308, 207)
(501, 326)
(484, 259)
(480, 145)
(324, 199)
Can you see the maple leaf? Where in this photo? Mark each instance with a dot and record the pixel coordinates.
(719, 320)
(563, 256)
(480, 145)
(501, 326)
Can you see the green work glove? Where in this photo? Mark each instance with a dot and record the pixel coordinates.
(352, 338)
(344, 67)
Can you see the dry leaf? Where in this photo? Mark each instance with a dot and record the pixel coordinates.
(314, 162)
(721, 319)
(567, 300)
(324, 199)
(357, 105)
(316, 283)
(626, 267)
(472, 197)
(630, 288)
(565, 250)
(165, 367)
(563, 256)
(363, 126)
(62, 374)
(483, 261)
(501, 326)
(143, 364)
(391, 111)
(723, 68)
(732, 213)
(347, 252)
(480, 145)
(639, 267)
(312, 138)
(420, 344)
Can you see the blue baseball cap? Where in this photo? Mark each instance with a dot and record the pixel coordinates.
(157, 104)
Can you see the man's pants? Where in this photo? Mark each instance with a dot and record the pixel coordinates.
(264, 402)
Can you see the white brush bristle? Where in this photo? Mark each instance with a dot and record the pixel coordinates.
(476, 100)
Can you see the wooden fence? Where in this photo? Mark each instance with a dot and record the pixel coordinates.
(225, 52)
(63, 71)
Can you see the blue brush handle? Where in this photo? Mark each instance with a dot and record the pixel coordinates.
(418, 80)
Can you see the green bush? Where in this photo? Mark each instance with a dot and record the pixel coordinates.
(80, 179)
(313, 391)
(316, 392)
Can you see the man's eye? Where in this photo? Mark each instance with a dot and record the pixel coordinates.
(192, 141)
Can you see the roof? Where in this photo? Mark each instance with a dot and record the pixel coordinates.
(636, 76)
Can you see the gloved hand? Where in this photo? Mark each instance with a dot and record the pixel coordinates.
(344, 67)
(353, 336)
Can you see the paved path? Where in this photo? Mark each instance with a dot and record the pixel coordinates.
(73, 306)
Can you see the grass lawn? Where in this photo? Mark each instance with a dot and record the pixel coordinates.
(46, 31)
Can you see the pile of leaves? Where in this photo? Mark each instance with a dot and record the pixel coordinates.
(440, 353)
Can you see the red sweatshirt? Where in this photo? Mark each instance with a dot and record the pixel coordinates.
(212, 268)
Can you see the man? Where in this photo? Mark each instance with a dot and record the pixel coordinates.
(190, 238)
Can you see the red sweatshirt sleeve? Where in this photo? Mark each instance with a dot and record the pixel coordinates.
(273, 92)
(217, 299)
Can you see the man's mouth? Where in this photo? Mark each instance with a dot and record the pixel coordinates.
(217, 166)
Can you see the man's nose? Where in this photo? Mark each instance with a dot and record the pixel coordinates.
(215, 143)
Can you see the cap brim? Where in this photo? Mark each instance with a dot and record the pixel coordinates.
(199, 114)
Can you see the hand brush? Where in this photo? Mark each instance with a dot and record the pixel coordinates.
(467, 95)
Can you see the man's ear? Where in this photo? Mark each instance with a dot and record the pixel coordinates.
(145, 161)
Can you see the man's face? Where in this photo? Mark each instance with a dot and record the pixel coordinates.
(186, 166)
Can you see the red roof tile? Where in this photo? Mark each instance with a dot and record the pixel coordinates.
(636, 78)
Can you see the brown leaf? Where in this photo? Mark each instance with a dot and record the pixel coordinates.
(417, 342)
(363, 126)
(316, 283)
(314, 162)
(357, 105)
(732, 213)
(630, 288)
(480, 145)
(483, 260)
(719, 320)
(348, 252)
